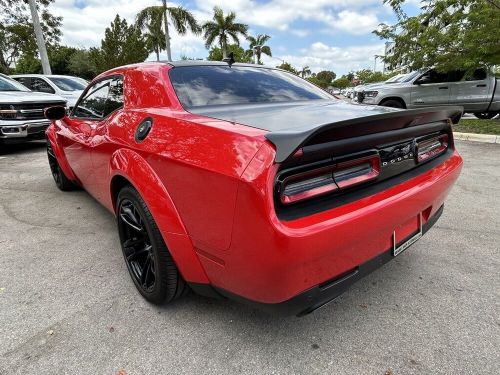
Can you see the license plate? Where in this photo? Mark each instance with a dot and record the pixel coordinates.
(398, 249)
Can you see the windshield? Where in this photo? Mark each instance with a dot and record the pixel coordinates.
(403, 77)
(67, 84)
(396, 78)
(198, 86)
(8, 84)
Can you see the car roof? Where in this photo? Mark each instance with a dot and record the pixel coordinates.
(182, 63)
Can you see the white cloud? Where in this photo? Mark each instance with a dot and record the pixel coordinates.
(85, 27)
(341, 60)
(279, 14)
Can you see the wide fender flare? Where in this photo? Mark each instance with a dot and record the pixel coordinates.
(59, 153)
(131, 166)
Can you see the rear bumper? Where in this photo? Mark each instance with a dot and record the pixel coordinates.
(320, 295)
(271, 261)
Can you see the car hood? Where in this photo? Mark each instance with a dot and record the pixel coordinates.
(16, 97)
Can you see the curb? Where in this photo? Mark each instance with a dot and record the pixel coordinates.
(483, 138)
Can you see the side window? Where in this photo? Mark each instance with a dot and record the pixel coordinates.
(38, 84)
(93, 105)
(26, 81)
(477, 75)
(456, 75)
(432, 76)
(115, 96)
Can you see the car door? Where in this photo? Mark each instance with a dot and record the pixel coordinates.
(102, 149)
(471, 90)
(77, 130)
(430, 89)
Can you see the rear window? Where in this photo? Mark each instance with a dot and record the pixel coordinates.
(199, 86)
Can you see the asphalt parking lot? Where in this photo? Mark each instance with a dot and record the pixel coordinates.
(67, 304)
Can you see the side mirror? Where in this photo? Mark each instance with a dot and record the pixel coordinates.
(57, 112)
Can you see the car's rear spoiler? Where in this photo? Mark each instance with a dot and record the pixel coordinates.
(288, 142)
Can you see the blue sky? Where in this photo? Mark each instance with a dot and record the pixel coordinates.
(323, 34)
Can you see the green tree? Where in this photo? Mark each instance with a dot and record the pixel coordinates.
(342, 82)
(221, 28)
(447, 34)
(17, 34)
(150, 20)
(288, 67)
(82, 64)
(325, 78)
(239, 54)
(122, 45)
(258, 46)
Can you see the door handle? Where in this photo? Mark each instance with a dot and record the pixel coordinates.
(483, 85)
(444, 88)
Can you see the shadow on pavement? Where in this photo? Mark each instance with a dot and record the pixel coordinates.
(9, 149)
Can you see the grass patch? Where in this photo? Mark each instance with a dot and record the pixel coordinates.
(478, 126)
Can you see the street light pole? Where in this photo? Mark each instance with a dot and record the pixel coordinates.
(39, 38)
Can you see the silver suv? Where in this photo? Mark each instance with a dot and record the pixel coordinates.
(477, 91)
(22, 111)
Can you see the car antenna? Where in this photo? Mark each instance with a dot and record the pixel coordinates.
(229, 60)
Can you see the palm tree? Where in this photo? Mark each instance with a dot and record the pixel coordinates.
(304, 72)
(258, 47)
(151, 18)
(222, 27)
(155, 39)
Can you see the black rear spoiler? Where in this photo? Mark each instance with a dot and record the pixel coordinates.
(287, 142)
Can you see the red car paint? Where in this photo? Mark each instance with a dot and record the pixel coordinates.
(209, 186)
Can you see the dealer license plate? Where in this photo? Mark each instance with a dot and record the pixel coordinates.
(399, 248)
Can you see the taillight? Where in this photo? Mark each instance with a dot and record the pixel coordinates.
(327, 179)
(431, 147)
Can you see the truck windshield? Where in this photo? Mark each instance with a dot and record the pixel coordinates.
(67, 84)
(198, 86)
(7, 84)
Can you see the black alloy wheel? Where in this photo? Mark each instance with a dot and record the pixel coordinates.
(62, 182)
(148, 260)
(137, 247)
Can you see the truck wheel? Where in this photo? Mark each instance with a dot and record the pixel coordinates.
(393, 104)
(485, 115)
(62, 182)
(148, 260)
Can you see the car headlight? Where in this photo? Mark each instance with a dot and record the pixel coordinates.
(371, 94)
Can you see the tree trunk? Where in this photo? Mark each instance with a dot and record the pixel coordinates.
(157, 50)
(167, 36)
(39, 38)
(223, 47)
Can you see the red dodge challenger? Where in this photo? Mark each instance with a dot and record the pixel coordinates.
(248, 182)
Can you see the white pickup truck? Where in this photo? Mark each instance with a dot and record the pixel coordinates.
(22, 111)
(478, 91)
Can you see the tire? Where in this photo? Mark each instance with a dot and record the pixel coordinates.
(393, 104)
(485, 115)
(62, 182)
(146, 255)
